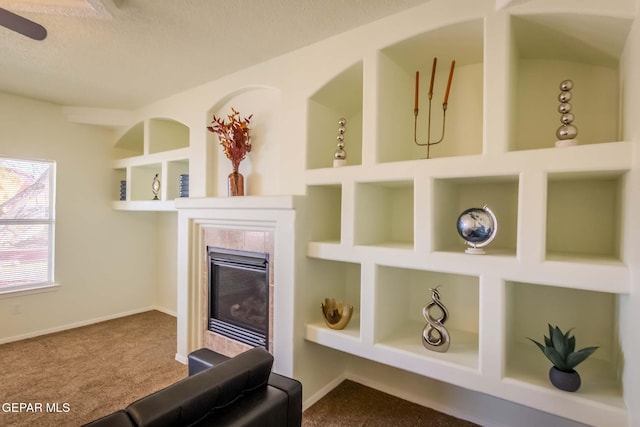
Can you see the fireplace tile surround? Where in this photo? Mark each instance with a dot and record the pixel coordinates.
(246, 240)
(253, 223)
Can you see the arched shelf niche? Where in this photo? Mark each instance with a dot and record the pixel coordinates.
(341, 97)
(261, 166)
(131, 143)
(396, 87)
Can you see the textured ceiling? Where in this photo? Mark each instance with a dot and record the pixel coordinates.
(128, 53)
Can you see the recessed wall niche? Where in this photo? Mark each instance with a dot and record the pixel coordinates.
(264, 103)
(452, 196)
(592, 318)
(584, 216)
(339, 98)
(397, 66)
(337, 280)
(401, 293)
(550, 48)
(131, 143)
(325, 201)
(384, 214)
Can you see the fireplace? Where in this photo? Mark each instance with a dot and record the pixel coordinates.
(239, 295)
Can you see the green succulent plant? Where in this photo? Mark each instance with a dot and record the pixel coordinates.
(560, 348)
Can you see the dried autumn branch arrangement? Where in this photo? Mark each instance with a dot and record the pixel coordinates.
(233, 135)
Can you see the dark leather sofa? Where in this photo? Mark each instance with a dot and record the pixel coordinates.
(219, 391)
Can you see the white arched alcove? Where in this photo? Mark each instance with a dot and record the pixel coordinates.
(260, 168)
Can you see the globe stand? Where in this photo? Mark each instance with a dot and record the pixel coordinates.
(475, 251)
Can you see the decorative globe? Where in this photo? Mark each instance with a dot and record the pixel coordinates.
(478, 227)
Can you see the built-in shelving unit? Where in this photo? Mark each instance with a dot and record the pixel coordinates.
(558, 256)
(154, 147)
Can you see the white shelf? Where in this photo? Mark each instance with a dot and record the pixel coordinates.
(463, 351)
(599, 401)
(142, 205)
(154, 147)
(143, 160)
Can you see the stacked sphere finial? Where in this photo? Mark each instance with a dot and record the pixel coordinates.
(340, 156)
(567, 132)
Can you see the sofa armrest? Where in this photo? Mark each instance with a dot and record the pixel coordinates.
(196, 397)
(293, 389)
(117, 419)
(202, 359)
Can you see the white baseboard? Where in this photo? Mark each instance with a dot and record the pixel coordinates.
(165, 311)
(182, 359)
(83, 323)
(322, 392)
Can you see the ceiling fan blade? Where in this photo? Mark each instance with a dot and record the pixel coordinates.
(22, 25)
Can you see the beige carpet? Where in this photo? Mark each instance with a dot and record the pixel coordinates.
(89, 372)
(95, 369)
(352, 404)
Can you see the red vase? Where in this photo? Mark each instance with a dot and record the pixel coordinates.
(235, 184)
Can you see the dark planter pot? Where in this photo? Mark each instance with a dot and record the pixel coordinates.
(566, 381)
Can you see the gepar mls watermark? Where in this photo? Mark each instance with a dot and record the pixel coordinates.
(33, 407)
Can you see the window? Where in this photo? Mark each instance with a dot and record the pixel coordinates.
(27, 190)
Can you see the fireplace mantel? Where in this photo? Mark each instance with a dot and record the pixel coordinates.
(240, 202)
(276, 214)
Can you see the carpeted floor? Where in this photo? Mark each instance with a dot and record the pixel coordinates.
(84, 373)
(94, 369)
(352, 404)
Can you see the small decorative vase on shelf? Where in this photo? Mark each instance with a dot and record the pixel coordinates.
(235, 184)
(560, 349)
(565, 381)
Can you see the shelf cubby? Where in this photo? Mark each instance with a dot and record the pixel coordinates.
(593, 318)
(167, 135)
(401, 294)
(452, 196)
(340, 281)
(325, 201)
(119, 175)
(131, 143)
(142, 179)
(584, 216)
(152, 146)
(384, 214)
(397, 66)
(550, 48)
(339, 98)
(175, 168)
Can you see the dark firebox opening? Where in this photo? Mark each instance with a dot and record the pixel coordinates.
(239, 295)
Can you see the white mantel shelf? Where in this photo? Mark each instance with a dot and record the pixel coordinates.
(239, 202)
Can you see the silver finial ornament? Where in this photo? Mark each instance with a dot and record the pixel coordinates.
(567, 132)
(340, 156)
